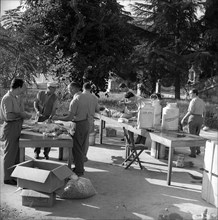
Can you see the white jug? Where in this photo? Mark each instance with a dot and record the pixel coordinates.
(170, 117)
(157, 112)
(146, 115)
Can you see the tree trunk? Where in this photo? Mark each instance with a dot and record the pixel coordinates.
(177, 86)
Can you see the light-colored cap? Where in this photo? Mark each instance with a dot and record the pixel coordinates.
(52, 84)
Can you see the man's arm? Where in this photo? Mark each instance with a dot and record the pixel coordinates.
(71, 112)
(11, 116)
(36, 103)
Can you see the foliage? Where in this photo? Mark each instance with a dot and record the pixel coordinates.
(21, 54)
(173, 25)
(89, 33)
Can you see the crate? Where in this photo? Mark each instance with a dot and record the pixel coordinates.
(33, 198)
(110, 132)
(210, 175)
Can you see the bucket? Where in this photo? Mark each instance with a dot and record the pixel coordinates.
(170, 117)
(92, 138)
(146, 115)
(157, 112)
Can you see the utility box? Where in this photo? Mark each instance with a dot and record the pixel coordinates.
(110, 132)
(33, 198)
(42, 176)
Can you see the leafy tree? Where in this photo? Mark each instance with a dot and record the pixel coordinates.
(173, 25)
(208, 59)
(88, 32)
(20, 55)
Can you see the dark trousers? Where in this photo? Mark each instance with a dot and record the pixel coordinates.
(11, 135)
(80, 139)
(194, 126)
(46, 149)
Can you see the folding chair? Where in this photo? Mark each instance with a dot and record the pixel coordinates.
(134, 149)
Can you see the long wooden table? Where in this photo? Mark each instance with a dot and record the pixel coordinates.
(34, 139)
(170, 139)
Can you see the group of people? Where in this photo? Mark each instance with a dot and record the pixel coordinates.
(81, 111)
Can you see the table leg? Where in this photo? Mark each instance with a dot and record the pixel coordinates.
(60, 157)
(70, 157)
(22, 154)
(158, 146)
(170, 161)
(101, 131)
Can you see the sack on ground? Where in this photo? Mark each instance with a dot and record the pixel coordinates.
(78, 188)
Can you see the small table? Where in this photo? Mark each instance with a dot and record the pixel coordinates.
(173, 140)
(33, 140)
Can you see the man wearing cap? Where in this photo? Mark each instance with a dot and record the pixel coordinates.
(45, 106)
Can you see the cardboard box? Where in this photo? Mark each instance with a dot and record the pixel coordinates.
(110, 132)
(43, 176)
(33, 198)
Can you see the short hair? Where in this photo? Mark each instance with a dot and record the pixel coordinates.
(16, 83)
(195, 91)
(87, 86)
(75, 84)
(129, 95)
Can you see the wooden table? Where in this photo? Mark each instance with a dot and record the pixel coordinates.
(170, 139)
(34, 139)
(175, 140)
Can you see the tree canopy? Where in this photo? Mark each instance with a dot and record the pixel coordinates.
(92, 39)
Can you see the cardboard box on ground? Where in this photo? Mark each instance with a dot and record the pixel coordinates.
(33, 198)
(110, 132)
(41, 176)
(40, 179)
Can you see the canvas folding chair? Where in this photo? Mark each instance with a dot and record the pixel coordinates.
(134, 150)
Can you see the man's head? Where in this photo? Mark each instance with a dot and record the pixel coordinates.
(87, 86)
(73, 88)
(18, 86)
(193, 93)
(51, 87)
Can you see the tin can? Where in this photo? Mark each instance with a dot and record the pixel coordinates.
(180, 160)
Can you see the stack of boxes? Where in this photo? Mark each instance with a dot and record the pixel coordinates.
(39, 181)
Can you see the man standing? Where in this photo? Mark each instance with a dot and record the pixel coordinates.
(196, 113)
(13, 114)
(93, 107)
(139, 102)
(45, 106)
(79, 114)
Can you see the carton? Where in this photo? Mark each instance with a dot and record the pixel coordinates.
(43, 176)
(110, 132)
(33, 198)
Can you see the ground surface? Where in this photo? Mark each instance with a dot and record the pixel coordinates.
(122, 194)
